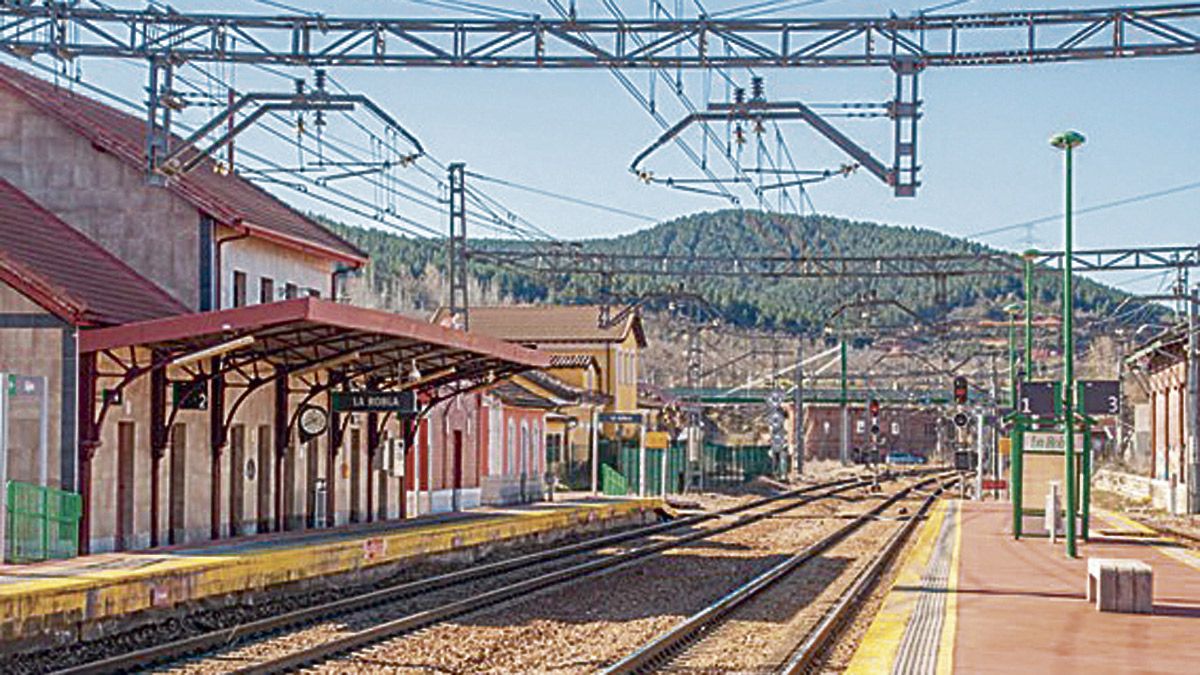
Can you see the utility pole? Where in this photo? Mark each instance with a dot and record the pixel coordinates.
(695, 446)
(1193, 406)
(845, 449)
(456, 263)
(798, 414)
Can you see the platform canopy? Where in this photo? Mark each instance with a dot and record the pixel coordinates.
(308, 334)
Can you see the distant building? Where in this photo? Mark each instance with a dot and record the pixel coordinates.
(602, 360)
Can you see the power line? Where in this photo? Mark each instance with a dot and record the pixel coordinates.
(561, 197)
(1089, 209)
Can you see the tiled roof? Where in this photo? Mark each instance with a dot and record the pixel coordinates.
(69, 274)
(533, 324)
(229, 199)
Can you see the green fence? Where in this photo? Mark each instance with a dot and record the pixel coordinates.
(725, 465)
(612, 482)
(722, 466)
(42, 523)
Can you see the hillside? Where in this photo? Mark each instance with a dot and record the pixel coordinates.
(407, 272)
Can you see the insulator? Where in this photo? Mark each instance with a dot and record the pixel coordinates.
(739, 95)
(320, 77)
(756, 88)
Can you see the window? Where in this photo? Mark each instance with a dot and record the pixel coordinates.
(266, 290)
(291, 291)
(495, 444)
(239, 288)
(536, 452)
(511, 462)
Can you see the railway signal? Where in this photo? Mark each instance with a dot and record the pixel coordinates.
(960, 390)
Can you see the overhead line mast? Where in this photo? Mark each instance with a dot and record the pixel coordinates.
(65, 31)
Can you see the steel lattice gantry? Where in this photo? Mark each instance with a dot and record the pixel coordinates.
(995, 38)
(572, 259)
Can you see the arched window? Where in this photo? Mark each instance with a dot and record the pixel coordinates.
(525, 448)
(536, 454)
(510, 465)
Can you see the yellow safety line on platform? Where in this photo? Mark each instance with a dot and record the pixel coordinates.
(877, 650)
(945, 660)
(93, 594)
(1185, 556)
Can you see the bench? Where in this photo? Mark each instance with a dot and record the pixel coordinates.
(1120, 585)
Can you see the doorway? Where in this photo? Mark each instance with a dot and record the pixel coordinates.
(237, 479)
(177, 519)
(126, 475)
(263, 473)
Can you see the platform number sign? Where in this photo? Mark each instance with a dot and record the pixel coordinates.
(960, 390)
(1036, 399)
(1100, 397)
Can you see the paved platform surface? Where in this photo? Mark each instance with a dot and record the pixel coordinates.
(66, 596)
(970, 599)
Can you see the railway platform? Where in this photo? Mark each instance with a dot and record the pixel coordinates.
(89, 596)
(970, 599)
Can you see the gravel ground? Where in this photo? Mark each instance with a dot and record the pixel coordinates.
(258, 650)
(1187, 525)
(204, 620)
(598, 620)
(760, 635)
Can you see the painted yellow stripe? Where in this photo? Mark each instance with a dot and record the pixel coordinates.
(167, 579)
(945, 661)
(877, 650)
(1183, 555)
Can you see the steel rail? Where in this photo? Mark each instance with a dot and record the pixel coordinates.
(416, 621)
(820, 638)
(224, 637)
(667, 645)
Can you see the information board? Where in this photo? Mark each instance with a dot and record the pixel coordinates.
(1100, 397)
(1036, 399)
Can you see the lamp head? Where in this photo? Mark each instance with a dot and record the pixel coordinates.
(1067, 139)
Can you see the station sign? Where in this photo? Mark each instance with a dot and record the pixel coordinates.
(1048, 441)
(190, 395)
(619, 418)
(657, 440)
(1100, 397)
(401, 402)
(1037, 399)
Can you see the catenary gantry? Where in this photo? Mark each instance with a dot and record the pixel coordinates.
(985, 38)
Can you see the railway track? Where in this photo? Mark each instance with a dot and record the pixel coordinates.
(737, 516)
(686, 646)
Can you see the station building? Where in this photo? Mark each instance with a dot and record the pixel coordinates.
(172, 353)
(1164, 361)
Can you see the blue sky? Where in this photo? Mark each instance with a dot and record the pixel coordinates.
(987, 163)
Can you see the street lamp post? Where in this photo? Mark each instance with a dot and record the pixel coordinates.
(1068, 141)
(1012, 310)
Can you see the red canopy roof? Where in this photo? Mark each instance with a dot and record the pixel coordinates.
(230, 199)
(306, 332)
(67, 273)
